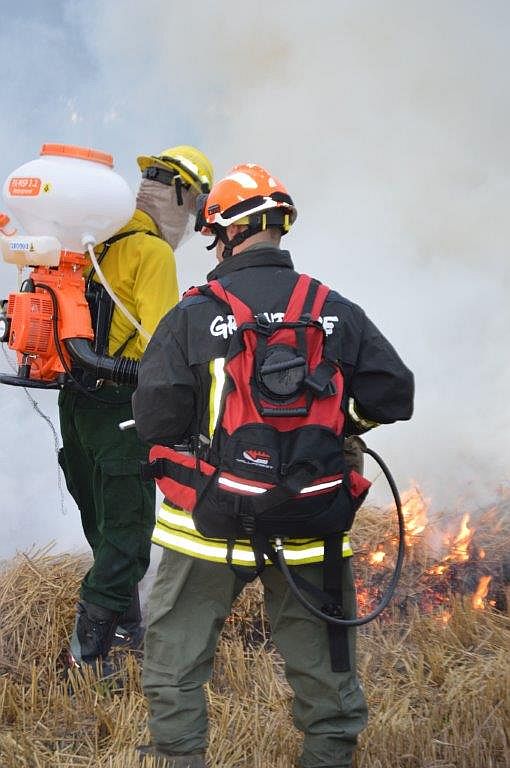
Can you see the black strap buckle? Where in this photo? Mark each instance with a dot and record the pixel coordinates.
(264, 326)
(333, 609)
(152, 470)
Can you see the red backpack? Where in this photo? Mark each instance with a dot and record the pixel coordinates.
(275, 466)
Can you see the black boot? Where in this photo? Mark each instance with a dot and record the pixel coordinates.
(130, 631)
(92, 635)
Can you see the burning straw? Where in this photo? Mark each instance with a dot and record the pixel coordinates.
(435, 667)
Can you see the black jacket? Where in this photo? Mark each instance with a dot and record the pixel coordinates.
(173, 394)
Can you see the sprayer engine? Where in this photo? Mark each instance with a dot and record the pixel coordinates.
(49, 309)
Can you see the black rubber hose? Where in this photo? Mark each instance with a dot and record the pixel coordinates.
(121, 370)
(388, 594)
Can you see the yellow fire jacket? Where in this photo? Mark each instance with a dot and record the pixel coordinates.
(141, 270)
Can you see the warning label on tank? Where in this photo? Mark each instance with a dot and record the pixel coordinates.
(24, 186)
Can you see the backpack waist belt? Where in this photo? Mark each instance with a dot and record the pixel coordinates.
(176, 474)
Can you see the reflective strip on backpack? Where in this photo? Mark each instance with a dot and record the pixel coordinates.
(239, 484)
(175, 530)
(236, 484)
(217, 374)
(322, 486)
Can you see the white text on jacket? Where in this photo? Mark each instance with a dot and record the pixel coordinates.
(225, 326)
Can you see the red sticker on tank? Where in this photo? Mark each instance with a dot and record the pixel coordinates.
(24, 186)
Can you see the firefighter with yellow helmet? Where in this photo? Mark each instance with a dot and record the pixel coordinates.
(101, 463)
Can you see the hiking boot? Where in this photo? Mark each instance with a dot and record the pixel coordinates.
(130, 631)
(128, 637)
(92, 635)
(164, 759)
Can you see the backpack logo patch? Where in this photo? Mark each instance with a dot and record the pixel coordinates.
(257, 457)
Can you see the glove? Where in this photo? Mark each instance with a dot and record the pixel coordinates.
(353, 453)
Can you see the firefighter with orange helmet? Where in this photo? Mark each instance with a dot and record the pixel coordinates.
(183, 394)
(101, 463)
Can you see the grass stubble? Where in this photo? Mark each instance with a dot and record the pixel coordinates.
(438, 691)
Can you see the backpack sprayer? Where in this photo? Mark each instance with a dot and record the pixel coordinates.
(67, 201)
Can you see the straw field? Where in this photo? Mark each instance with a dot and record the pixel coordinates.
(438, 689)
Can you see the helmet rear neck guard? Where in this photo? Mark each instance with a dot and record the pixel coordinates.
(274, 218)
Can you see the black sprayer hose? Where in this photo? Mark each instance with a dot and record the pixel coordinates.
(388, 594)
(121, 370)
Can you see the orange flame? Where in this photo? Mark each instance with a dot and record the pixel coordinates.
(415, 509)
(376, 558)
(478, 598)
(460, 545)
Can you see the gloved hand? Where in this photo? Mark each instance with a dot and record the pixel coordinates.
(353, 453)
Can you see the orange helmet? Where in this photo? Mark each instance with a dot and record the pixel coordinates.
(245, 190)
(249, 195)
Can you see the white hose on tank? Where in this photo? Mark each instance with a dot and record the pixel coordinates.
(89, 242)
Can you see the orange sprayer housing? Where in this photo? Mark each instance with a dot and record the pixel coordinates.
(32, 316)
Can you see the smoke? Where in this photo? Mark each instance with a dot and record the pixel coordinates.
(388, 122)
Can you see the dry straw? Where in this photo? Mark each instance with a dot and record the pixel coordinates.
(438, 692)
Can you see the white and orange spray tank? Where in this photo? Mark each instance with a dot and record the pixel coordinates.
(67, 201)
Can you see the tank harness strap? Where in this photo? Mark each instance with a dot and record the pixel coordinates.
(330, 596)
(333, 581)
(101, 304)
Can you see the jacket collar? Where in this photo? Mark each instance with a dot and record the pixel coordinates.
(259, 255)
(140, 222)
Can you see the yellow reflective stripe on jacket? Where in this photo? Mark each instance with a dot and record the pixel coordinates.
(175, 530)
(217, 374)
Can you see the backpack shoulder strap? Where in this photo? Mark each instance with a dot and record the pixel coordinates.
(308, 296)
(113, 239)
(306, 291)
(241, 311)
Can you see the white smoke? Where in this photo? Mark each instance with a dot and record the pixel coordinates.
(388, 122)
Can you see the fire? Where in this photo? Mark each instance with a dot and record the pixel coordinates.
(376, 558)
(460, 547)
(442, 563)
(414, 508)
(478, 597)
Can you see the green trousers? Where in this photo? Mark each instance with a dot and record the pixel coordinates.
(188, 605)
(101, 465)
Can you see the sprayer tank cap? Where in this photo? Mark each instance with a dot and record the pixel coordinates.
(80, 153)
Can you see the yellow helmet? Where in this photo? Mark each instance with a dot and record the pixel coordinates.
(190, 163)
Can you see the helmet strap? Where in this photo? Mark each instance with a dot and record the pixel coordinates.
(221, 232)
(168, 178)
(214, 243)
(178, 189)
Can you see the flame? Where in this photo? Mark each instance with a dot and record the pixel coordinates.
(444, 575)
(438, 569)
(459, 549)
(479, 595)
(376, 558)
(414, 508)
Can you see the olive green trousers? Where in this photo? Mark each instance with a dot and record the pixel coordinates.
(188, 605)
(101, 465)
